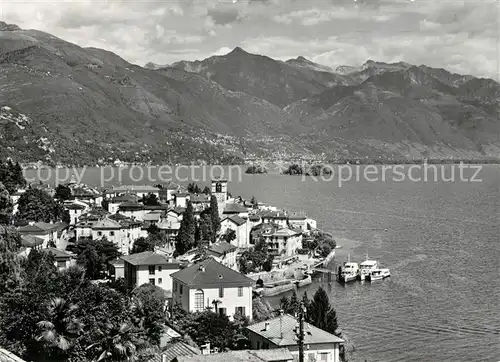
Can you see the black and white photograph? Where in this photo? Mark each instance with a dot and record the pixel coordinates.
(249, 180)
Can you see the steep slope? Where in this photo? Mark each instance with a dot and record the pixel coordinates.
(91, 96)
(410, 111)
(276, 82)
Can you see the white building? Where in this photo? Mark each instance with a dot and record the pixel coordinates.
(212, 284)
(149, 267)
(122, 233)
(48, 232)
(280, 332)
(138, 190)
(63, 259)
(241, 228)
(224, 253)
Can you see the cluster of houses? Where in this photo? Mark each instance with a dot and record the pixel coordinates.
(191, 281)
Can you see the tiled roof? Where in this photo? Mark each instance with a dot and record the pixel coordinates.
(59, 253)
(236, 219)
(177, 210)
(180, 194)
(124, 198)
(268, 355)
(178, 349)
(199, 198)
(281, 332)
(131, 205)
(75, 207)
(169, 225)
(152, 216)
(150, 258)
(31, 241)
(222, 247)
(254, 218)
(42, 227)
(297, 217)
(106, 223)
(214, 274)
(234, 208)
(285, 232)
(136, 188)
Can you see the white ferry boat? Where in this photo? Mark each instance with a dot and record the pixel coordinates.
(349, 272)
(366, 267)
(378, 274)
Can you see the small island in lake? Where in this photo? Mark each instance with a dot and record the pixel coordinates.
(256, 170)
(313, 170)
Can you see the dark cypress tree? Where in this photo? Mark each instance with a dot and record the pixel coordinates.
(186, 237)
(214, 216)
(206, 230)
(6, 205)
(207, 190)
(294, 305)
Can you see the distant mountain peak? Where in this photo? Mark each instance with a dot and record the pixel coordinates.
(238, 50)
(8, 27)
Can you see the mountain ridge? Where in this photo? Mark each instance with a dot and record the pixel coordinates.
(97, 107)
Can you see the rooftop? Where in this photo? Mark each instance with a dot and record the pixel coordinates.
(136, 188)
(209, 272)
(31, 241)
(234, 208)
(199, 198)
(236, 219)
(260, 355)
(281, 332)
(150, 258)
(124, 198)
(59, 253)
(222, 247)
(42, 227)
(106, 223)
(177, 349)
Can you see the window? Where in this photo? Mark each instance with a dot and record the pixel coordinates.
(310, 357)
(240, 291)
(160, 280)
(112, 233)
(240, 310)
(151, 270)
(152, 281)
(61, 264)
(159, 268)
(323, 357)
(99, 233)
(199, 300)
(180, 289)
(221, 292)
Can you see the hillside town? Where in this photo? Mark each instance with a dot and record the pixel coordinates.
(197, 251)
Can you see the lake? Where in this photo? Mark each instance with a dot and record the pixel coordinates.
(441, 244)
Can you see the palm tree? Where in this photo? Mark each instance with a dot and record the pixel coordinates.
(60, 327)
(117, 343)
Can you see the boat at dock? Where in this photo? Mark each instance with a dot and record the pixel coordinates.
(378, 274)
(366, 267)
(349, 271)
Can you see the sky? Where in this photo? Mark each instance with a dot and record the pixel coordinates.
(461, 36)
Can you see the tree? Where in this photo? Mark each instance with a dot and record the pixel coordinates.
(11, 175)
(214, 215)
(261, 310)
(150, 200)
(63, 192)
(37, 205)
(206, 231)
(148, 308)
(206, 190)
(59, 329)
(185, 239)
(193, 188)
(6, 205)
(229, 235)
(321, 314)
(142, 244)
(254, 202)
(94, 255)
(10, 263)
(294, 305)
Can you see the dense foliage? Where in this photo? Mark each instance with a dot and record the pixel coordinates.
(186, 237)
(63, 192)
(11, 176)
(6, 205)
(51, 315)
(254, 169)
(94, 255)
(255, 259)
(37, 205)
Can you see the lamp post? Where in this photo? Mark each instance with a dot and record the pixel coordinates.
(300, 334)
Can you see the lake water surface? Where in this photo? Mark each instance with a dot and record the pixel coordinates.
(442, 245)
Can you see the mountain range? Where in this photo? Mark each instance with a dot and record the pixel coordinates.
(62, 103)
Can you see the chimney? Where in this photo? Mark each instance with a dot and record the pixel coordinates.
(202, 268)
(266, 326)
